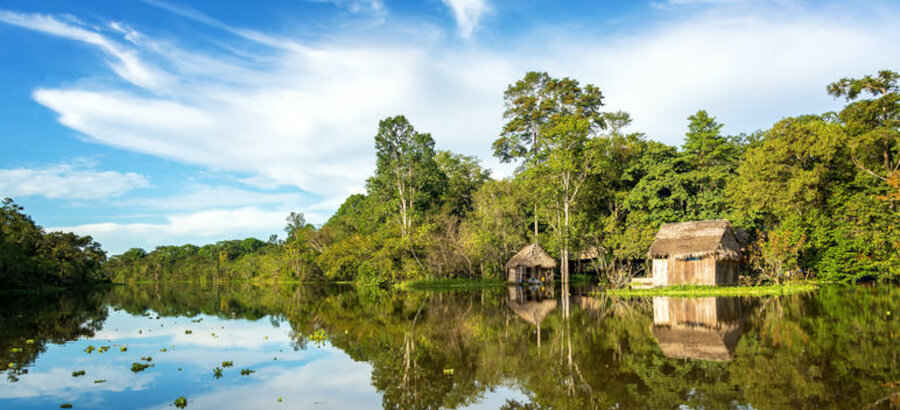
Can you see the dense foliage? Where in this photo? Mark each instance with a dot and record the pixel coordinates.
(817, 194)
(33, 258)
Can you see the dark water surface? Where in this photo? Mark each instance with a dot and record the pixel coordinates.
(327, 347)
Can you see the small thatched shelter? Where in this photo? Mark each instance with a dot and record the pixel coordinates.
(697, 328)
(532, 262)
(696, 253)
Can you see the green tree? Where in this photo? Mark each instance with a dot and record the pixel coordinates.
(872, 124)
(406, 173)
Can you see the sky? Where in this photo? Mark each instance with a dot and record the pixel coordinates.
(164, 122)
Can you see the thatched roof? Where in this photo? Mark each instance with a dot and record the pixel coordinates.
(532, 255)
(533, 312)
(685, 342)
(696, 239)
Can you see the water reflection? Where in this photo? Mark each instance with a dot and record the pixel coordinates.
(336, 347)
(697, 328)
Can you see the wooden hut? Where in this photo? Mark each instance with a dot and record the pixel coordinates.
(532, 262)
(695, 253)
(697, 328)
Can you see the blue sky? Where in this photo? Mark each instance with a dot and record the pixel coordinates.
(156, 122)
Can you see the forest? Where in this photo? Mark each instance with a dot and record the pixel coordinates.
(31, 258)
(818, 195)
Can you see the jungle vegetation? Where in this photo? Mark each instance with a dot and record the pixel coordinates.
(818, 195)
(31, 258)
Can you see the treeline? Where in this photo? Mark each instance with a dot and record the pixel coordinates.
(817, 194)
(31, 258)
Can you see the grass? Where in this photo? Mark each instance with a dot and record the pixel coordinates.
(448, 283)
(699, 291)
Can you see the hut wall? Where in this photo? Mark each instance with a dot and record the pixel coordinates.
(727, 272)
(660, 272)
(692, 272)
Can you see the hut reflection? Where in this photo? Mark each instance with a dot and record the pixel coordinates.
(697, 328)
(532, 304)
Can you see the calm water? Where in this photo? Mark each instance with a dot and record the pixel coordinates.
(318, 347)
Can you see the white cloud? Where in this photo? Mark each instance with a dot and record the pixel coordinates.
(200, 197)
(126, 63)
(467, 14)
(197, 227)
(68, 181)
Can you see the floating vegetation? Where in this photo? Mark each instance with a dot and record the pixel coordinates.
(139, 367)
(124, 349)
(147, 358)
(103, 349)
(217, 372)
(89, 349)
(318, 337)
(181, 402)
(246, 372)
(187, 332)
(29, 342)
(197, 320)
(98, 381)
(16, 350)
(227, 364)
(78, 373)
(279, 399)
(65, 406)
(163, 350)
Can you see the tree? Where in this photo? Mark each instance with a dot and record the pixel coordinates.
(566, 160)
(463, 178)
(872, 124)
(532, 103)
(295, 221)
(406, 173)
(712, 159)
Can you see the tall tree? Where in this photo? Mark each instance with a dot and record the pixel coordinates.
(532, 103)
(406, 173)
(712, 158)
(873, 125)
(566, 161)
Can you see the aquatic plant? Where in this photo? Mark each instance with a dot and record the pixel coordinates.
(65, 406)
(139, 367)
(217, 372)
(246, 372)
(16, 350)
(90, 349)
(78, 373)
(318, 337)
(187, 332)
(227, 364)
(147, 358)
(98, 381)
(124, 349)
(181, 402)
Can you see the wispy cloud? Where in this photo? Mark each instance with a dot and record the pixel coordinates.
(75, 181)
(125, 63)
(467, 14)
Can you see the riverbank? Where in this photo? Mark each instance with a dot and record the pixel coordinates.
(699, 291)
(448, 283)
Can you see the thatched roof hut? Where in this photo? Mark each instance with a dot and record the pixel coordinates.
(698, 253)
(696, 239)
(531, 263)
(531, 256)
